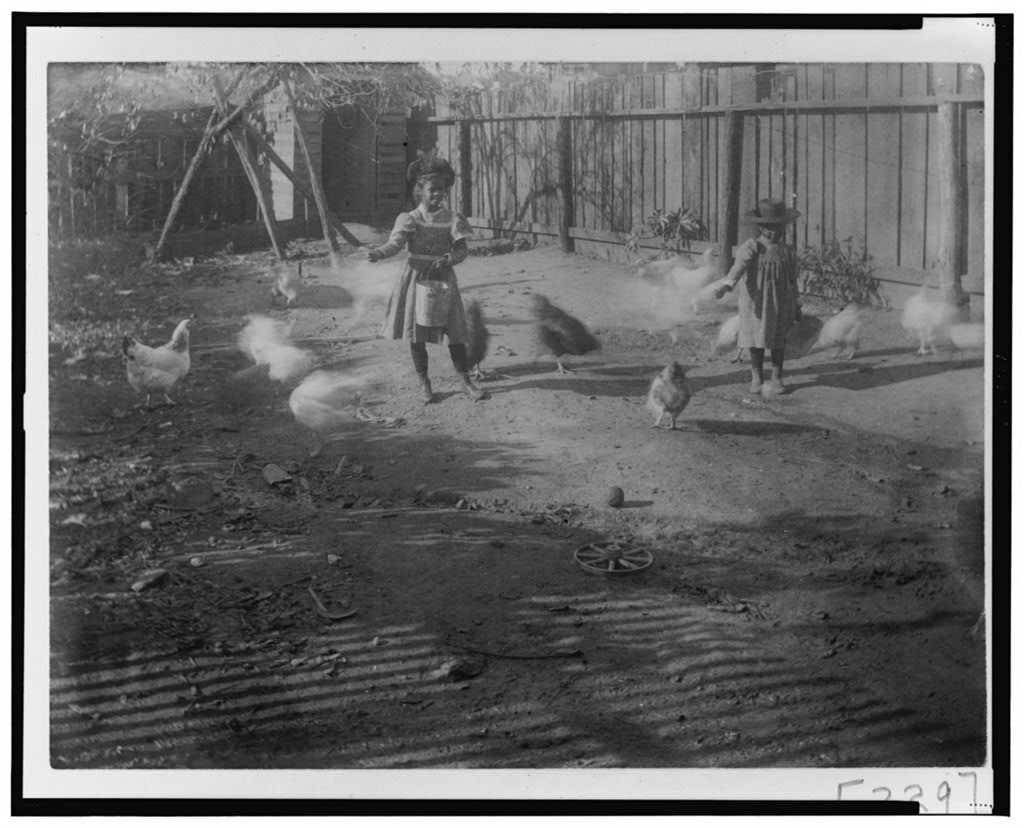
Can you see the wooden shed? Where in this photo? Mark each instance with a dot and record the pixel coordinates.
(95, 191)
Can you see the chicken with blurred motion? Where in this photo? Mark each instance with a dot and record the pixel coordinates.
(843, 330)
(287, 282)
(669, 394)
(327, 401)
(728, 336)
(477, 339)
(559, 333)
(268, 343)
(927, 316)
(158, 370)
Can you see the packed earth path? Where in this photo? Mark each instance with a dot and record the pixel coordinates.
(409, 597)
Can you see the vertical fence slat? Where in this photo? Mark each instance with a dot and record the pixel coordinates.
(951, 245)
(672, 193)
(974, 161)
(882, 181)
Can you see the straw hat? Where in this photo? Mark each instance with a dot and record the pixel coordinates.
(771, 211)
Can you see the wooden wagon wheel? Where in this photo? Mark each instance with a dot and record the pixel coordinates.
(613, 558)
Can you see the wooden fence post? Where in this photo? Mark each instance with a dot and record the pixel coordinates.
(952, 244)
(565, 184)
(465, 168)
(729, 203)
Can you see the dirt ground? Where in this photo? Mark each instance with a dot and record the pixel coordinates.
(817, 565)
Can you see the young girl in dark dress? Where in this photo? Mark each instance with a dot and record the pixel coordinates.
(766, 271)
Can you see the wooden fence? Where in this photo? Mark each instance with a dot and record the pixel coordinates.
(862, 150)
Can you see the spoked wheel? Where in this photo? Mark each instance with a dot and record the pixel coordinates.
(613, 558)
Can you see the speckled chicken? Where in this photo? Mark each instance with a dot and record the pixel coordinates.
(669, 394)
(158, 370)
(559, 333)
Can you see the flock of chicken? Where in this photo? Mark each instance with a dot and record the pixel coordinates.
(321, 396)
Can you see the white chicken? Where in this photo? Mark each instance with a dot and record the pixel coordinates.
(687, 281)
(927, 316)
(705, 299)
(158, 369)
(656, 271)
(843, 330)
(326, 401)
(967, 336)
(267, 342)
(669, 394)
(728, 334)
(287, 282)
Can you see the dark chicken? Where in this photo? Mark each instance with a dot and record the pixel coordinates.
(559, 333)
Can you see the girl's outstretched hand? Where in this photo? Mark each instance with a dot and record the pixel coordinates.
(373, 255)
(720, 292)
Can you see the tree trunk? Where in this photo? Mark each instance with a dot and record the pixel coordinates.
(314, 179)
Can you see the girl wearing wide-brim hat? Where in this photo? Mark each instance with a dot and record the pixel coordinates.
(766, 270)
(436, 237)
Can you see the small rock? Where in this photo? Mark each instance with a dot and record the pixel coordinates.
(332, 559)
(146, 525)
(196, 561)
(616, 497)
(459, 668)
(274, 474)
(149, 579)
